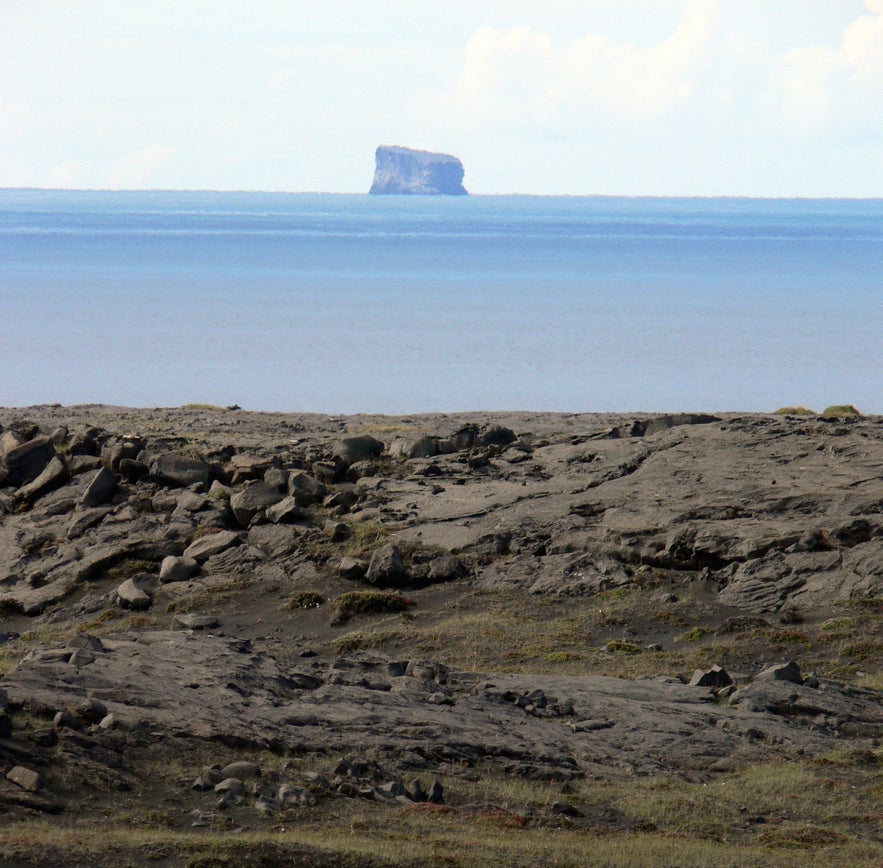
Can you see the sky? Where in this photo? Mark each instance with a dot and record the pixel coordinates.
(614, 97)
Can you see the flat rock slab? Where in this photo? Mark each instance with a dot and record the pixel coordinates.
(213, 687)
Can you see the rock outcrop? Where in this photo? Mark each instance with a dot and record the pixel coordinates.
(566, 599)
(406, 171)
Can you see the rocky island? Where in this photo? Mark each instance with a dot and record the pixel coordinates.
(259, 639)
(406, 171)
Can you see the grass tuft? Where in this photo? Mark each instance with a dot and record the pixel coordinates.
(367, 603)
(305, 600)
(797, 410)
(840, 411)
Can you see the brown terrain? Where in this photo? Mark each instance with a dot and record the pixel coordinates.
(235, 638)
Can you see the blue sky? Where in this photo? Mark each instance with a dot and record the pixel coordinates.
(633, 97)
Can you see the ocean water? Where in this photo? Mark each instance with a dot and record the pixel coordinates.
(354, 303)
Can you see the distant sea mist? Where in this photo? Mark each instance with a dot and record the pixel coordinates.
(351, 303)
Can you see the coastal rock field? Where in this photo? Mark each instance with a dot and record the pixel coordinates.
(487, 638)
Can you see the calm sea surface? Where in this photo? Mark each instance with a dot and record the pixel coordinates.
(339, 304)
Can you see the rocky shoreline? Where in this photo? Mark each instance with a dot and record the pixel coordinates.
(396, 601)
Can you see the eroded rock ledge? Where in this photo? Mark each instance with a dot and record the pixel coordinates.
(301, 584)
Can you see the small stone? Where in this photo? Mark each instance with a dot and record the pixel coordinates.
(132, 596)
(352, 568)
(714, 677)
(211, 544)
(195, 621)
(291, 795)
(233, 786)
(90, 710)
(86, 642)
(27, 779)
(566, 809)
(336, 531)
(65, 720)
(177, 569)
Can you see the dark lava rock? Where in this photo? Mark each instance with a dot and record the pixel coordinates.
(386, 567)
(179, 470)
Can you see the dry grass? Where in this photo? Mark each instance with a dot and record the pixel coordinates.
(769, 814)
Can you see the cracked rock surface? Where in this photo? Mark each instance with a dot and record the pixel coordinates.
(526, 592)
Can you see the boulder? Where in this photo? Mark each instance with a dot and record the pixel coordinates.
(305, 489)
(352, 568)
(54, 474)
(496, 435)
(242, 769)
(178, 470)
(285, 511)
(254, 498)
(361, 448)
(27, 779)
(177, 569)
(24, 462)
(420, 447)
(445, 568)
(100, 487)
(132, 469)
(386, 567)
(132, 596)
(781, 672)
(114, 451)
(714, 677)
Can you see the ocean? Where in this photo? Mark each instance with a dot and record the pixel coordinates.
(389, 304)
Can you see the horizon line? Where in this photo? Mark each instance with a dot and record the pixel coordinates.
(442, 195)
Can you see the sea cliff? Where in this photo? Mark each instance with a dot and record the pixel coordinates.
(406, 171)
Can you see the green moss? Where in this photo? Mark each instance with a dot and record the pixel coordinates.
(795, 411)
(623, 646)
(840, 411)
(695, 634)
(305, 600)
(562, 656)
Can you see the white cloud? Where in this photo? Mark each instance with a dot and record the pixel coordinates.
(520, 76)
(820, 89)
(66, 174)
(805, 83)
(14, 114)
(134, 170)
(863, 44)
